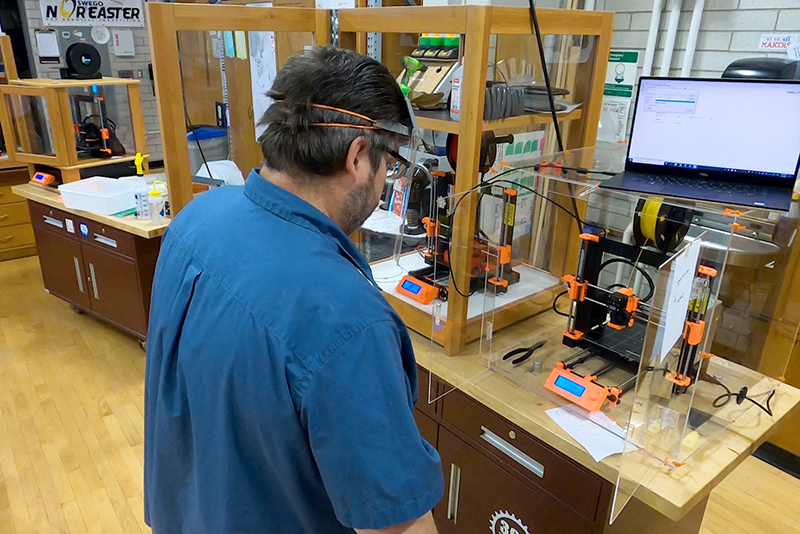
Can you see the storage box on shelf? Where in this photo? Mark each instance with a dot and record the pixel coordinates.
(585, 78)
(65, 126)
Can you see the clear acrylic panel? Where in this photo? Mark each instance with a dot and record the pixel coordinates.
(102, 118)
(225, 76)
(643, 378)
(30, 119)
(3, 149)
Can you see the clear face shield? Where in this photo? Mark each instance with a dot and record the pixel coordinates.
(401, 167)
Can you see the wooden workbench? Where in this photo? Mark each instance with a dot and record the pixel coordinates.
(678, 495)
(129, 223)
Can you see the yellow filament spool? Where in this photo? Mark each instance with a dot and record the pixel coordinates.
(648, 219)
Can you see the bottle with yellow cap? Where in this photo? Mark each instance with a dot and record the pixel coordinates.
(141, 191)
(156, 205)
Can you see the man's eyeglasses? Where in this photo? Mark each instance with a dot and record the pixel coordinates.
(397, 168)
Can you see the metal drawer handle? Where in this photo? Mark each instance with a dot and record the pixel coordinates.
(514, 453)
(452, 495)
(3, 217)
(78, 273)
(6, 239)
(94, 281)
(105, 240)
(53, 222)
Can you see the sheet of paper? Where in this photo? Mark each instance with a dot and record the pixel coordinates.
(241, 44)
(617, 95)
(335, 4)
(263, 68)
(679, 290)
(383, 222)
(47, 45)
(614, 119)
(775, 42)
(598, 434)
(123, 43)
(230, 47)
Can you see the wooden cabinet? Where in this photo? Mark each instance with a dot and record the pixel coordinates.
(98, 269)
(16, 234)
(479, 494)
(62, 266)
(115, 294)
(497, 474)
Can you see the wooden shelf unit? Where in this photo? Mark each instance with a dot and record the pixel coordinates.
(166, 22)
(476, 24)
(441, 121)
(59, 120)
(9, 73)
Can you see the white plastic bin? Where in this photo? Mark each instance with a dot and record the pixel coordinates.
(98, 194)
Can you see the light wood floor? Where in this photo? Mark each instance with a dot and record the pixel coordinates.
(71, 396)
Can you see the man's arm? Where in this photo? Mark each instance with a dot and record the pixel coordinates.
(423, 525)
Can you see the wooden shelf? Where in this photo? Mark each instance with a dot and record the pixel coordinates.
(99, 162)
(46, 82)
(441, 121)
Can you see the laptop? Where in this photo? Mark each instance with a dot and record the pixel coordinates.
(732, 141)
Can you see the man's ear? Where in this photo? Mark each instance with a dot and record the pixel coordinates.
(358, 164)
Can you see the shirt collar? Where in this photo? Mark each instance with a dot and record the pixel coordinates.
(294, 209)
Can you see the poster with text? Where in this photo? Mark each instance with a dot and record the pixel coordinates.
(116, 13)
(617, 95)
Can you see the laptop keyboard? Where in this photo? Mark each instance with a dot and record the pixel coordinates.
(721, 187)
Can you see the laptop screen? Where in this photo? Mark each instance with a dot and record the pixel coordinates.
(738, 128)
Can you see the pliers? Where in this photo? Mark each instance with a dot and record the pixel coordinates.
(526, 352)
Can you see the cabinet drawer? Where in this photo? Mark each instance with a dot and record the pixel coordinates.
(427, 390)
(19, 235)
(16, 213)
(108, 238)
(541, 465)
(428, 428)
(480, 497)
(7, 197)
(53, 219)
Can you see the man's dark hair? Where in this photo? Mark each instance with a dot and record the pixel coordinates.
(332, 77)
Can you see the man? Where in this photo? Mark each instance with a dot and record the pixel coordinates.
(280, 384)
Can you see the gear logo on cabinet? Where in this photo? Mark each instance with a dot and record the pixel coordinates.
(503, 522)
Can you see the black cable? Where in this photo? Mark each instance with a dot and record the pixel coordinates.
(191, 128)
(579, 170)
(740, 397)
(551, 100)
(635, 266)
(555, 304)
(496, 179)
(543, 197)
(196, 140)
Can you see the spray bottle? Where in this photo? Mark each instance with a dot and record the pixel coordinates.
(142, 191)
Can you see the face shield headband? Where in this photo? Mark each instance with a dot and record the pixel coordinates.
(400, 165)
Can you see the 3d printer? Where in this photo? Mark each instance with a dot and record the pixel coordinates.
(491, 258)
(608, 322)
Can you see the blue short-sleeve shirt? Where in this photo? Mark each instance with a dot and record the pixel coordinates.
(280, 384)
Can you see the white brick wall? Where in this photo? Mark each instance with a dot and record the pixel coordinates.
(730, 30)
(137, 63)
